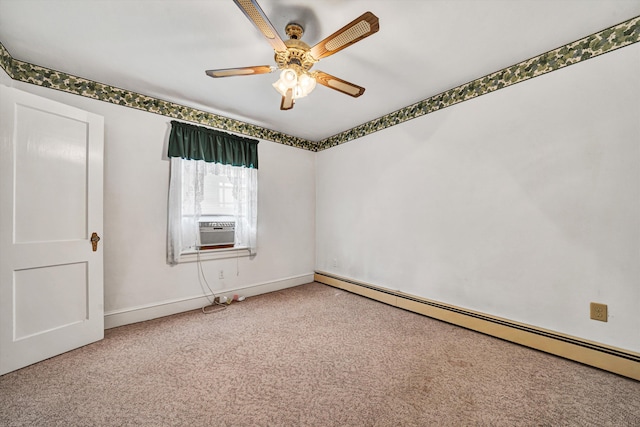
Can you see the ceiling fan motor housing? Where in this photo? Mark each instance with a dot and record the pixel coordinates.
(297, 55)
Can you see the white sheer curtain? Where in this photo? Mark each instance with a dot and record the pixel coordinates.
(186, 192)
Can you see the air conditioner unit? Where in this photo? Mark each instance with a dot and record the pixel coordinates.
(217, 231)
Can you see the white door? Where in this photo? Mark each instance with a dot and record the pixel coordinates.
(51, 280)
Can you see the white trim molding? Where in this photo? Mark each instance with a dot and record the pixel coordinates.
(126, 316)
(210, 254)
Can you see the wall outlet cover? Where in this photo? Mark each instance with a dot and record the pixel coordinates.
(598, 311)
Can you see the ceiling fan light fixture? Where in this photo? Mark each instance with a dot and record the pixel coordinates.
(280, 87)
(307, 83)
(289, 77)
(302, 83)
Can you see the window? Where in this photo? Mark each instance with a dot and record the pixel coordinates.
(218, 196)
(213, 181)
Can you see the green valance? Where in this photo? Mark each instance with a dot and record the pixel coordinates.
(199, 143)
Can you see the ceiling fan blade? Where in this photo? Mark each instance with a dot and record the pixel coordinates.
(287, 100)
(255, 14)
(356, 30)
(338, 84)
(242, 71)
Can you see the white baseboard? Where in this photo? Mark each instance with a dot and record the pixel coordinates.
(130, 315)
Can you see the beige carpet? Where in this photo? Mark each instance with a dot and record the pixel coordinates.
(311, 356)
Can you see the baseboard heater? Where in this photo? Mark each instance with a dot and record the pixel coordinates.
(612, 359)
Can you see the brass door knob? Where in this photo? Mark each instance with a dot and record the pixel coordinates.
(94, 241)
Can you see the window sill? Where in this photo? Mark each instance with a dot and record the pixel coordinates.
(212, 254)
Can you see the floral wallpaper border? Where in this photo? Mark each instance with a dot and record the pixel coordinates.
(604, 41)
(41, 76)
(607, 40)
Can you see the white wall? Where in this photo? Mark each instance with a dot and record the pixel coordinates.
(135, 215)
(523, 203)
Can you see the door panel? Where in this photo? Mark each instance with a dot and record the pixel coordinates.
(58, 293)
(51, 281)
(36, 157)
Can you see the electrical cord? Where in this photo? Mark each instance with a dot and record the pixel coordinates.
(213, 303)
(237, 263)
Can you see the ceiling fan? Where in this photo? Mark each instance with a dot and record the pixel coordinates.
(295, 58)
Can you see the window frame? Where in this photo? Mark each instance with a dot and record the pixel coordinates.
(213, 254)
(234, 153)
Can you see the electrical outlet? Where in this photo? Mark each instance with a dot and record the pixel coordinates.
(335, 262)
(221, 274)
(599, 311)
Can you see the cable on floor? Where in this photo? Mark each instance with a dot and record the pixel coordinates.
(213, 303)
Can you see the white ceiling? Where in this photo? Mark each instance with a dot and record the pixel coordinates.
(161, 48)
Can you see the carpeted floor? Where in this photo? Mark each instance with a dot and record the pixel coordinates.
(311, 356)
